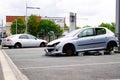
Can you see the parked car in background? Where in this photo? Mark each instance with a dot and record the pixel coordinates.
(23, 40)
(83, 40)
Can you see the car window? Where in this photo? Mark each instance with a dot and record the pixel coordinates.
(31, 37)
(87, 32)
(23, 37)
(100, 31)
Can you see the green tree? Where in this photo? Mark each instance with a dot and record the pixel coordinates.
(77, 27)
(67, 28)
(32, 25)
(18, 24)
(58, 30)
(110, 26)
(46, 26)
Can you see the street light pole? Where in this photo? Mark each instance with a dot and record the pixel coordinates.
(16, 26)
(26, 18)
(33, 7)
(26, 30)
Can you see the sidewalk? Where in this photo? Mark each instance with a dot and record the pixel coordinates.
(1, 73)
(8, 70)
(5, 68)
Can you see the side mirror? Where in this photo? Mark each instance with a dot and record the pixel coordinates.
(79, 36)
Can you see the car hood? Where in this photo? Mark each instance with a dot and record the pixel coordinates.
(60, 40)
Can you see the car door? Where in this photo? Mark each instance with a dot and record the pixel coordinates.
(100, 38)
(33, 41)
(85, 40)
(23, 39)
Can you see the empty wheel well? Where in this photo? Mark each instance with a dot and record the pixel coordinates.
(68, 45)
(112, 43)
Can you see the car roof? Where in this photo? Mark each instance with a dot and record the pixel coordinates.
(17, 35)
(95, 28)
(92, 27)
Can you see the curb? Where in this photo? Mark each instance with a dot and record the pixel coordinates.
(18, 74)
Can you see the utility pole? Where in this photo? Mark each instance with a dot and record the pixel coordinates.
(118, 21)
(2, 34)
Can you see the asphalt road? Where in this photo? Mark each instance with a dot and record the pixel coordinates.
(36, 66)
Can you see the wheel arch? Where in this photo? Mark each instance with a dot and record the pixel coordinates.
(43, 43)
(69, 44)
(112, 43)
(18, 43)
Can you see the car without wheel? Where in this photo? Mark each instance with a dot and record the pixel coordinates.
(23, 40)
(84, 40)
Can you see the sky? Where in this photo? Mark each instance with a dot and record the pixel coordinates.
(89, 12)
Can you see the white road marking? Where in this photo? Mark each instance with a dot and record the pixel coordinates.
(72, 65)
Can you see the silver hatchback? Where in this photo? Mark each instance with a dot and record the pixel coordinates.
(83, 40)
(23, 40)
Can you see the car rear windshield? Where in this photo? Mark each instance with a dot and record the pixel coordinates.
(11, 36)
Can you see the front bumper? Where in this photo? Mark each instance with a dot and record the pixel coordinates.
(52, 51)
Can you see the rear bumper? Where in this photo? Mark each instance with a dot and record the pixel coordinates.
(7, 45)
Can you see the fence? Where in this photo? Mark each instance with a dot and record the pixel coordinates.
(49, 37)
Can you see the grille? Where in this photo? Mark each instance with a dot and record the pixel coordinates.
(50, 45)
(50, 50)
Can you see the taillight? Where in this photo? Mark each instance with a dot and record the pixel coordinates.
(9, 40)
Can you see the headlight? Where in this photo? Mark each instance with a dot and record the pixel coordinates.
(53, 45)
(56, 44)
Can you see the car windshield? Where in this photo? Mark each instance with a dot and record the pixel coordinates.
(73, 33)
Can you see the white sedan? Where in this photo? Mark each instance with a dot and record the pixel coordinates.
(23, 40)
